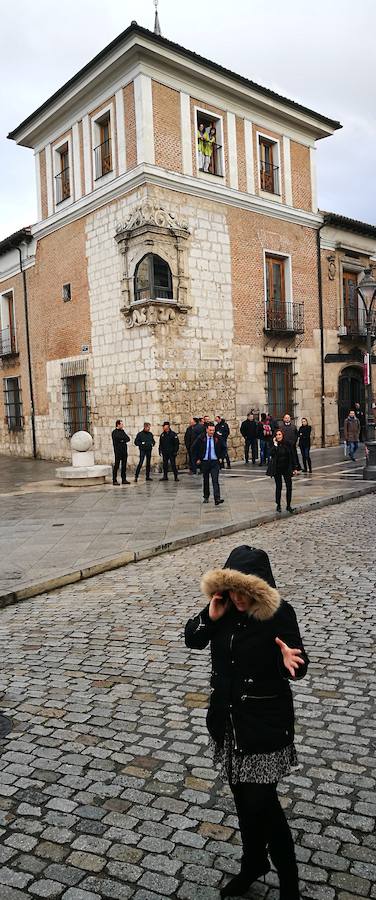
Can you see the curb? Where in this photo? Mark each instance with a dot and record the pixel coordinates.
(133, 556)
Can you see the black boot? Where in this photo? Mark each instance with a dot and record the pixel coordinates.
(247, 875)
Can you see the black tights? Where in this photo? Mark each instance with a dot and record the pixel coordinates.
(264, 828)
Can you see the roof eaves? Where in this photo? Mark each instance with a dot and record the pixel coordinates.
(348, 224)
(23, 236)
(136, 29)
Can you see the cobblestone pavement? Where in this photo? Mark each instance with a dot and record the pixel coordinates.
(47, 530)
(106, 786)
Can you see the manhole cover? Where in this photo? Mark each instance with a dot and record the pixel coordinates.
(5, 726)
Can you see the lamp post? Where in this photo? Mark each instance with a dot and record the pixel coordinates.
(367, 292)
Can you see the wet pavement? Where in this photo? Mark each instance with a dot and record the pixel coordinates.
(107, 788)
(47, 530)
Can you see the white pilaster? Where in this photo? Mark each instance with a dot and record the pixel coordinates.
(37, 185)
(120, 130)
(49, 180)
(249, 160)
(87, 154)
(312, 160)
(186, 133)
(287, 170)
(232, 150)
(76, 161)
(143, 99)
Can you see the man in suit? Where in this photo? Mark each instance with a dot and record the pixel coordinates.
(120, 440)
(209, 449)
(168, 448)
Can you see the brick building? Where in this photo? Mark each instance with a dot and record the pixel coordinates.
(179, 264)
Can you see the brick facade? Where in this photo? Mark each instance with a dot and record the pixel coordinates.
(301, 176)
(167, 127)
(130, 125)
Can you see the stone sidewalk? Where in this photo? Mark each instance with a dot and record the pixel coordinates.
(51, 535)
(107, 789)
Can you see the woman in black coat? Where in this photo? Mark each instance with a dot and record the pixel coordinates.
(281, 466)
(304, 441)
(255, 648)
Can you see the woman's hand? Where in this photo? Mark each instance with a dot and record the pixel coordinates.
(292, 659)
(218, 606)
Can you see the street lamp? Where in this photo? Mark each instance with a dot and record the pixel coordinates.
(367, 292)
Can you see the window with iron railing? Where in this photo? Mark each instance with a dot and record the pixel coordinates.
(75, 404)
(209, 144)
(284, 318)
(269, 170)
(153, 279)
(103, 152)
(8, 342)
(62, 178)
(13, 404)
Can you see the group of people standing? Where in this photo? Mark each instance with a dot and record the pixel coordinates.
(168, 449)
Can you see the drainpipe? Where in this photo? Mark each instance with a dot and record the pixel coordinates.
(33, 437)
(321, 320)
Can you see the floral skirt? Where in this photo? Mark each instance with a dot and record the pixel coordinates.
(261, 768)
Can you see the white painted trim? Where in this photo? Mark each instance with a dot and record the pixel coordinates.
(195, 187)
(312, 162)
(249, 155)
(76, 161)
(38, 185)
(95, 137)
(186, 133)
(55, 171)
(186, 67)
(216, 118)
(143, 98)
(120, 131)
(5, 323)
(287, 170)
(86, 134)
(232, 151)
(50, 189)
(288, 278)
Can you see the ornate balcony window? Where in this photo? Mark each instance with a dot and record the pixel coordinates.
(153, 243)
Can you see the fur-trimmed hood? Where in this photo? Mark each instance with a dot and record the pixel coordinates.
(248, 571)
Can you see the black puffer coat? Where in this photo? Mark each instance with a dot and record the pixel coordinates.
(250, 684)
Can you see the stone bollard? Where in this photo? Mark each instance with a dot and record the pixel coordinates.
(83, 472)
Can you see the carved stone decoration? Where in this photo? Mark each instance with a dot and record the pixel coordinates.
(331, 268)
(153, 229)
(147, 214)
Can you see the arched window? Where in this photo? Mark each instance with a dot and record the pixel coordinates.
(153, 279)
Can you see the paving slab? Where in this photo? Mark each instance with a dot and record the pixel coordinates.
(51, 532)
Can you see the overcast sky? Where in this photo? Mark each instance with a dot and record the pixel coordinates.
(320, 54)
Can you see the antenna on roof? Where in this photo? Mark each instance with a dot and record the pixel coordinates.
(157, 27)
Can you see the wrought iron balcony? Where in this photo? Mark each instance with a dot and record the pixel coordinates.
(284, 318)
(103, 159)
(269, 178)
(62, 182)
(353, 323)
(7, 343)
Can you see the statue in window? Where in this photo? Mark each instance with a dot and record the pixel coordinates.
(212, 138)
(203, 145)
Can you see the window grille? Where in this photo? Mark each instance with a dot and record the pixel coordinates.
(153, 279)
(75, 404)
(67, 293)
(280, 388)
(13, 404)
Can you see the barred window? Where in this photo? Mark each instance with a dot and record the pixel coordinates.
(75, 404)
(280, 389)
(13, 404)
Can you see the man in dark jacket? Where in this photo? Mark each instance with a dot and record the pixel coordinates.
(209, 449)
(291, 434)
(189, 438)
(222, 429)
(249, 429)
(361, 416)
(120, 440)
(168, 448)
(145, 443)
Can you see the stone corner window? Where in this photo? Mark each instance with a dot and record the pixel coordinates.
(153, 279)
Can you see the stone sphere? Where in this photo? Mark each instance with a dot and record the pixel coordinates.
(81, 441)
